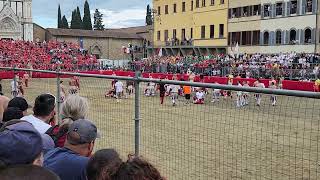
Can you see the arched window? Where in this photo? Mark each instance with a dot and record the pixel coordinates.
(307, 36)
(266, 38)
(293, 36)
(278, 37)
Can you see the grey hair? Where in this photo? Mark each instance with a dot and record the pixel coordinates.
(73, 108)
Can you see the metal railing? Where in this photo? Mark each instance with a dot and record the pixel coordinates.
(209, 141)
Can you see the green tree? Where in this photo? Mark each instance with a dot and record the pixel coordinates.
(78, 18)
(149, 16)
(65, 24)
(87, 25)
(72, 26)
(59, 17)
(98, 22)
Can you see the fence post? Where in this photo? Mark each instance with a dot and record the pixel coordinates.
(15, 92)
(137, 113)
(58, 93)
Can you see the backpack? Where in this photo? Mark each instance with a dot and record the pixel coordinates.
(58, 135)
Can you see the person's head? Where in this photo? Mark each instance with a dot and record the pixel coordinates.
(272, 83)
(12, 113)
(61, 82)
(19, 172)
(103, 164)
(136, 168)
(21, 103)
(73, 108)
(3, 105)
(44, 107)
(20, 143)
(81, 137)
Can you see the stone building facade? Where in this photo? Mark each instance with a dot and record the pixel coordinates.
(105, 44)
(16, 20)
(268, 26)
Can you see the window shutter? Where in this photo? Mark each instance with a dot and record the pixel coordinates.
(313, 35)
(298, 36)
(314, 6)
(288, 8)
(302, 36)
(287, 37)
(261, 38)
(262, 11)
(273, 10)
(298, 7)
(283, 36)
(283, 9)
(303, 10)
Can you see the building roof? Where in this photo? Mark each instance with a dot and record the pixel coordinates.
(109, 33)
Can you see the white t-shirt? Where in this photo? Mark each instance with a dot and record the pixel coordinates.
(119, 86)
(200, 95)
(261, 85)
(38, 124)
(174, 88)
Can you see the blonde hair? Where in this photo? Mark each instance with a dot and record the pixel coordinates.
(73, 108)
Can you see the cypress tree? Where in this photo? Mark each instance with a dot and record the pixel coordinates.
(65, 24)
(73, 20)
(148, 16)
(98, 22)
(78, 18)
(59, 18)
(87, 25)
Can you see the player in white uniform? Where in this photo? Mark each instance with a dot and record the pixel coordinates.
(14, 87)
(259, 96)
(216, 94)
(174, 90)
(273, 97)
(245, 94)
(199, 98)
(239, 96)
(119, 90)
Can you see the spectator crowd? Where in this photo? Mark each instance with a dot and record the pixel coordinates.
(38, 146)
(46, 55)
(290, 65)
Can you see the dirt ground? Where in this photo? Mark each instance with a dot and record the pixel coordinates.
(211, 141)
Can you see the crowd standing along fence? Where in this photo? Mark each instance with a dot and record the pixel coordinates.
(214, 140)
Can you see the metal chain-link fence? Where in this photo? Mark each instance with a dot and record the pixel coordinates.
(213, 140)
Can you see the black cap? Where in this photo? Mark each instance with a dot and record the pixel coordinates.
(20, 103)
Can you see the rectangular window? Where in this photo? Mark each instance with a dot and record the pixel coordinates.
(191, 5)
(174, 34)
(246, 38)
(212, 3)
(293, 8)
(174, 8)
(166, 9)
(256, 10)
(266, 10)
(191, 33)
(197, 3)
(183, 6)
(183, 34)
(309, 6)
(203, 32)
(221, 30)
(166, 35)
(203, 3)
(158, 35)
(279, 9)
(211, 31)
(245, 11)
(235, 37)
(221, 1)
(159, 10)
(256, 38)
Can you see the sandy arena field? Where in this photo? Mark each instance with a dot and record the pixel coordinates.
(211, 141)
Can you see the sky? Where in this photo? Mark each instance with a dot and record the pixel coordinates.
(117, 13)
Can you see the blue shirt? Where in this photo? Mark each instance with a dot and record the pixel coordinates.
(67, 164)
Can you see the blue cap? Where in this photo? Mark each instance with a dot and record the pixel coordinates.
(20, 143)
